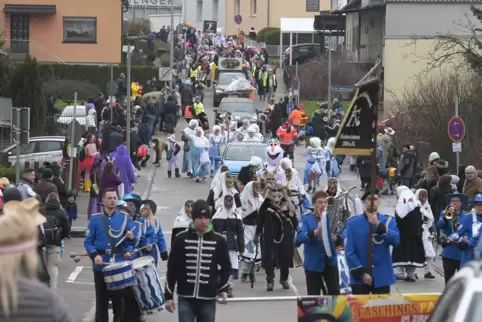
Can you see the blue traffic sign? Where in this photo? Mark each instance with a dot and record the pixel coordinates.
(456, 129)
(290, 107)
(238, 19)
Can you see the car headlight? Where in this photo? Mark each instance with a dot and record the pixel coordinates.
(219, 91)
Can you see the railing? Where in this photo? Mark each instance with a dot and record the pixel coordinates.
(14, 51)
(361, 53)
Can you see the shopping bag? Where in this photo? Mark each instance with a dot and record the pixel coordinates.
(205, 158)
(315, 168)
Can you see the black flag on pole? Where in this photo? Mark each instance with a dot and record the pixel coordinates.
(359, 125)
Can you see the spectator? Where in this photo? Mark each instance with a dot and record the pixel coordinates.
(25, 185)
(46, 186)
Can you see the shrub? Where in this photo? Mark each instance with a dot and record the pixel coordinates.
(67, 88)
(9, 173)
(422, 114)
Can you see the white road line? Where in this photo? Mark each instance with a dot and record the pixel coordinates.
(83, 283)
(74, 274)
(292, 286)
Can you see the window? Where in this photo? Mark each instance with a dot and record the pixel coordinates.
(215, 9)
(245, 152)
(49, 146)
(24, 149)
(80, 29)
(199, 11)
(254, 7)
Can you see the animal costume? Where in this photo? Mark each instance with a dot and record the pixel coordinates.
(251, 201)
(275, 230)
(227, 222)
(172, 156)
(158, 145)
(216, 139)
(295, 187)
(315, 164)
(275, 154)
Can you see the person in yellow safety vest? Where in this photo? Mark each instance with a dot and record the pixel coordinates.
(136, 89)
(198, 106)
(193, 72)
(270, 84)
(261, 87)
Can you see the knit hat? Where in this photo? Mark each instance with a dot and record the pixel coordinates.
(201, 209)
(433, 156)
(47, 174)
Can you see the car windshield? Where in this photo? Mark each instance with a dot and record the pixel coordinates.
(237, 107)
(227, 78)
(69, 111)
(245, 152)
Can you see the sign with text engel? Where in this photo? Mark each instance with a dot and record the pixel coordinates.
(357, 130)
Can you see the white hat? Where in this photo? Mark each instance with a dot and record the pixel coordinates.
(389, 131)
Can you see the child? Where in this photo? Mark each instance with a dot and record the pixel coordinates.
(390, 175)
(71, 208)
(172, 157)
(227, 221)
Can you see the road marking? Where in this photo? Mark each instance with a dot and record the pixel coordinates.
(74, 274)
(82, 283)
(292, 286)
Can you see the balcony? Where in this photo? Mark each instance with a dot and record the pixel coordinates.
(360, 53)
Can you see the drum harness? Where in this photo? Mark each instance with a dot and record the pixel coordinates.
(113, 233)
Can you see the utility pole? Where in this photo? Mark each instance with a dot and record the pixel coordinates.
(171, 47)
(329, 70)
(128, 103)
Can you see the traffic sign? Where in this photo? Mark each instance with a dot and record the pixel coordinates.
(238, 19)
(456, 129)
(210, 26)
(295, 83)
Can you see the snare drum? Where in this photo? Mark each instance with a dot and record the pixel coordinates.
(343, 272)
(118, 276)
(148, 289)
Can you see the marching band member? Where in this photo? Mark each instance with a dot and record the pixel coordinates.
(451, 253)
(105, 230)
(159, 249)
(409, 254)
(427, 225)
(183, 219)
(227, 222)
(470, 228)
(320, 259)
(383, 229)
(276, 225)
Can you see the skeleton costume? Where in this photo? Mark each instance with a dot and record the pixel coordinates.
(275, 229)
(295, 187)
(227, 222)
(216, 139)
(427, 223)
(251, 201)
(225, 186)
(315, 164)
(183, 219)
(172, 156)
(338, 209)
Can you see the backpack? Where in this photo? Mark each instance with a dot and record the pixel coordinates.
(82, 155)
(52, 230)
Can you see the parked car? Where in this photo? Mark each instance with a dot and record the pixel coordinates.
(238, 154)
(301, 53)
(238, 107)
(67, 115)
(222, 82)
(39, 149)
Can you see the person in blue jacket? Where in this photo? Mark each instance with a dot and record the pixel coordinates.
(105, 230)
(469, 230)
(320, 261)
(159, 249)
(384, 233)
(451, 253)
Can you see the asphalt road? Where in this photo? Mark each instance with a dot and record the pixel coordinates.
(76, 286)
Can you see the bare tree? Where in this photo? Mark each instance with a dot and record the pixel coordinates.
(449, 48)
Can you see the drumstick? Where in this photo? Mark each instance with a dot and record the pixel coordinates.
(123, 238)
(139, 249)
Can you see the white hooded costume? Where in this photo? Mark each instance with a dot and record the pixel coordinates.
(249, 212)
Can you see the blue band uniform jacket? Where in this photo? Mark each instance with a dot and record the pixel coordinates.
(97, 242)
(468, 224)
(316, 256)
(445, 226)
(145, 236)
(386, 234)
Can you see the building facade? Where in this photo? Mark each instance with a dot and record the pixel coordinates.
(65, 31)
(267, 13)
(143, 9)
(197, 11)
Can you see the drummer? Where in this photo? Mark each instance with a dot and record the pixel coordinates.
(148, 211)
(105, 230)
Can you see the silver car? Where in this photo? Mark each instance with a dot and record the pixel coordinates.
(39, 149)
(67, 115)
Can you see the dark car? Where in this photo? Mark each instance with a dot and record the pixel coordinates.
(238, 108)
(223, 80)
(302, 53)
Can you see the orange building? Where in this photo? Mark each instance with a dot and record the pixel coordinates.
(70, 31)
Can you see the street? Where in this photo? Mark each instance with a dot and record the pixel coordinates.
(77, 289)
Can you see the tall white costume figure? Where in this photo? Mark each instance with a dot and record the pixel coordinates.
(275, 154)
(186, 135)
(292, 181)
(315, 164)
(251, 201)
(428, 221)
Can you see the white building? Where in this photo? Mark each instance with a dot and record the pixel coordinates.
(200, 10)
(142, 9)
